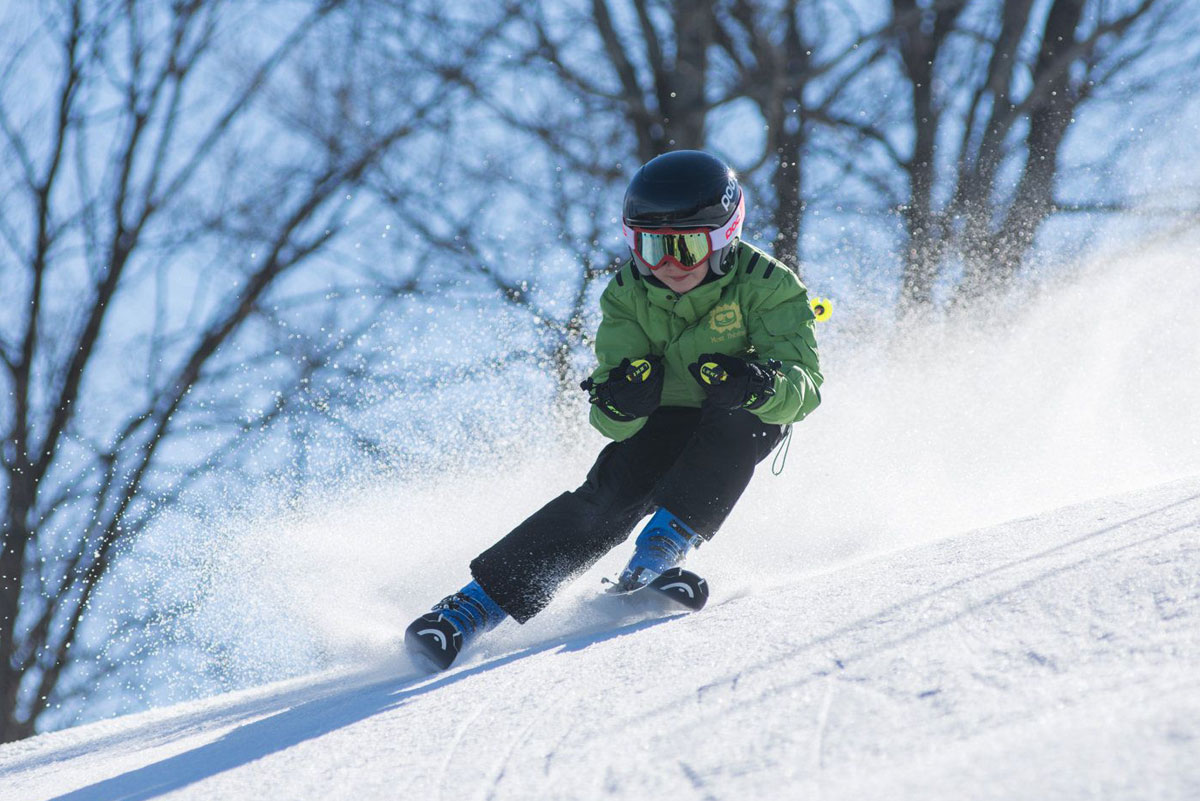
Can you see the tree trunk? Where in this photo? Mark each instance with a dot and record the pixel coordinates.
(919, 44)
(996, 260)
(788, 125)
(682, 90)
(15, 539)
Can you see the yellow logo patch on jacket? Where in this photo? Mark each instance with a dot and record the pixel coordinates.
(725, 318)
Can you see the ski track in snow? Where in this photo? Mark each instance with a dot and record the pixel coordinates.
(1053, 657)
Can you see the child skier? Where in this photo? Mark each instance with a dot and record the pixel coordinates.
(706, 356)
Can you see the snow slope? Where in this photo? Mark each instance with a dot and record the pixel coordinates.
(1056, 656)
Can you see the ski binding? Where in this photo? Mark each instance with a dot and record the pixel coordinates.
(677, 585)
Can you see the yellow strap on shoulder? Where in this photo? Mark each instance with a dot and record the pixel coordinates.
(822, 308)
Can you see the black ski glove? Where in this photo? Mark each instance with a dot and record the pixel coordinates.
(734, 383)
(632, 389)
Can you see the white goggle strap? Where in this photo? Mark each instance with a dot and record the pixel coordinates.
(730, 230)
(630, 236)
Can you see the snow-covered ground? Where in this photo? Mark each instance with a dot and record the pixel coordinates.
(1056, 656)
(876, 630)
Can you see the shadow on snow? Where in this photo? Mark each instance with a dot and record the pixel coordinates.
(307, 721)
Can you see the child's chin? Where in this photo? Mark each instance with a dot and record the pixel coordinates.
(681, 284)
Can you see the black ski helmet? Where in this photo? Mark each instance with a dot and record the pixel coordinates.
(687, 189)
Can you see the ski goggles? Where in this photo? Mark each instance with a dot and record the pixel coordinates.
(685, 248)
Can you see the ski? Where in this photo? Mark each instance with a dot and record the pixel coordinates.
(679, 586)
(433, 641)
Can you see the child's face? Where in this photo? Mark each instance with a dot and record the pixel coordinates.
(679, 280)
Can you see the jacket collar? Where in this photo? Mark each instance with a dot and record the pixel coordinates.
(694, 304)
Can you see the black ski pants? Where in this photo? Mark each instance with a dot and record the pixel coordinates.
(694, 462)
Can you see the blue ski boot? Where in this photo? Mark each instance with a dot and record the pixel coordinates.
(437, 637)
(663, 544)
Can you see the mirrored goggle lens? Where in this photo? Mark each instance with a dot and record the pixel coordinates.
(689, 249)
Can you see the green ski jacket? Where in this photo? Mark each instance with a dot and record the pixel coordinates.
(758, 310)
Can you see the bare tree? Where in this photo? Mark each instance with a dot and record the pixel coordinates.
(665, 81)
(992, 91)
(949, 116)
(772, 54)
(172, 191)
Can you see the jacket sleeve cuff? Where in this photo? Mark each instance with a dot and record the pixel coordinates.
(614, 429)
(786, 405)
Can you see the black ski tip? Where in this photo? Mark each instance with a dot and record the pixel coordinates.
(433, 642)
(683, 587)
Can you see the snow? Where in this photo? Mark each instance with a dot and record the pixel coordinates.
(880, 626)
(1052, 657)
